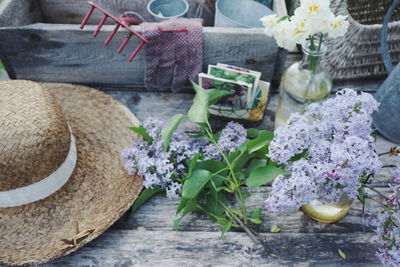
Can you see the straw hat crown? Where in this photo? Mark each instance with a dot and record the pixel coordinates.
(34, 136)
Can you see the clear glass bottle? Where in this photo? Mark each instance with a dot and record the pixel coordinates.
(302, 82)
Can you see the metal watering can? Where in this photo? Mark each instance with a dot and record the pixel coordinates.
(387, 118)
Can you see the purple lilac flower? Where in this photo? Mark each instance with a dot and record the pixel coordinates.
(163, 169)
(386, 223)
(290, 140)
(160, 168)
(335, 137)
(232, 137)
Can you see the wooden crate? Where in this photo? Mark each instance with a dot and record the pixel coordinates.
(40, 40)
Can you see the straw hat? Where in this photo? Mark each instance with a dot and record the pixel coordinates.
(62, 182)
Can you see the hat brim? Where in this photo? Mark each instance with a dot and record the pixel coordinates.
(97, 194)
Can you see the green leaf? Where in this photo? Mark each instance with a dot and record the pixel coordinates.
(262, 140)
(192, 164)
(256, 216)
(214, 95)
(254, 164)
(361, 194)
(142, 198)
(238, 159)
(233, 155)
(169, 130)
(275, 229)
(192, 205)
(263, 175)
(142, 132)
(241, 161)
(198, 112)
(226, 225)
(341, 254)
(253, 132)
(245, 193)
(283, 18)
(192, 187)
(212, 204)
(213, 166)
(218, 181)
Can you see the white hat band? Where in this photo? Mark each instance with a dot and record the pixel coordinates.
(44, 187)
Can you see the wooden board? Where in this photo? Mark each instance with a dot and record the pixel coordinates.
(72, 12)
(19, 12)
(164, 105)
(158, 214)
(41, 52)
(64, 53)
(170, 249)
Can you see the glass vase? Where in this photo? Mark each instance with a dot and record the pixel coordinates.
(303, 82)
(322, 211)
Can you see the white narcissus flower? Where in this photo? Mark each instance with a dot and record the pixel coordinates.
(310, 21)
(284, 35)
(316, 12)
(269, 23)
(301, 30)
(339, 26)
(313, 7)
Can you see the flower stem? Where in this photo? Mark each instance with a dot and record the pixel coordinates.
(238, 192)
(321, 37)
(257, 238)
(389, 166)
(376, 191)
(313, 60)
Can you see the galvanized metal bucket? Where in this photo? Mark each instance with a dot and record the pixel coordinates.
(387, 118)
(240, 13)
(165, 9)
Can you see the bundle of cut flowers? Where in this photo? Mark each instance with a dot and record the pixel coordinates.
(328, 151)
(312, 21)
(206, 170)
(325, 152)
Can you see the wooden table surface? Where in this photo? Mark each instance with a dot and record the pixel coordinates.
(149, 239)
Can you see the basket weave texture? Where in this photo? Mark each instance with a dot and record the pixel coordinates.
(358, 53)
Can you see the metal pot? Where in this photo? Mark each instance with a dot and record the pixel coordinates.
(387, 118)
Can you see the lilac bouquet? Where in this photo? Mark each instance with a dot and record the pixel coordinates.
(202, 171)
(165, 169)
(328, 151)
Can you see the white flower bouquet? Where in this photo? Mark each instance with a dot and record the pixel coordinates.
(312, 21)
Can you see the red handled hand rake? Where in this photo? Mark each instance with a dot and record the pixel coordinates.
(124, 21)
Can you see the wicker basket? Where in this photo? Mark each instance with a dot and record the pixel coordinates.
(358, 53)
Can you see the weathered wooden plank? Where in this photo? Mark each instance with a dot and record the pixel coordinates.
(168, 248)
(72, 12)
(42, 52)
(19, 12)
(158, 214)
(165, 105)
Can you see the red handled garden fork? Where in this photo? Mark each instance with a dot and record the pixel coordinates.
(124, 21)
